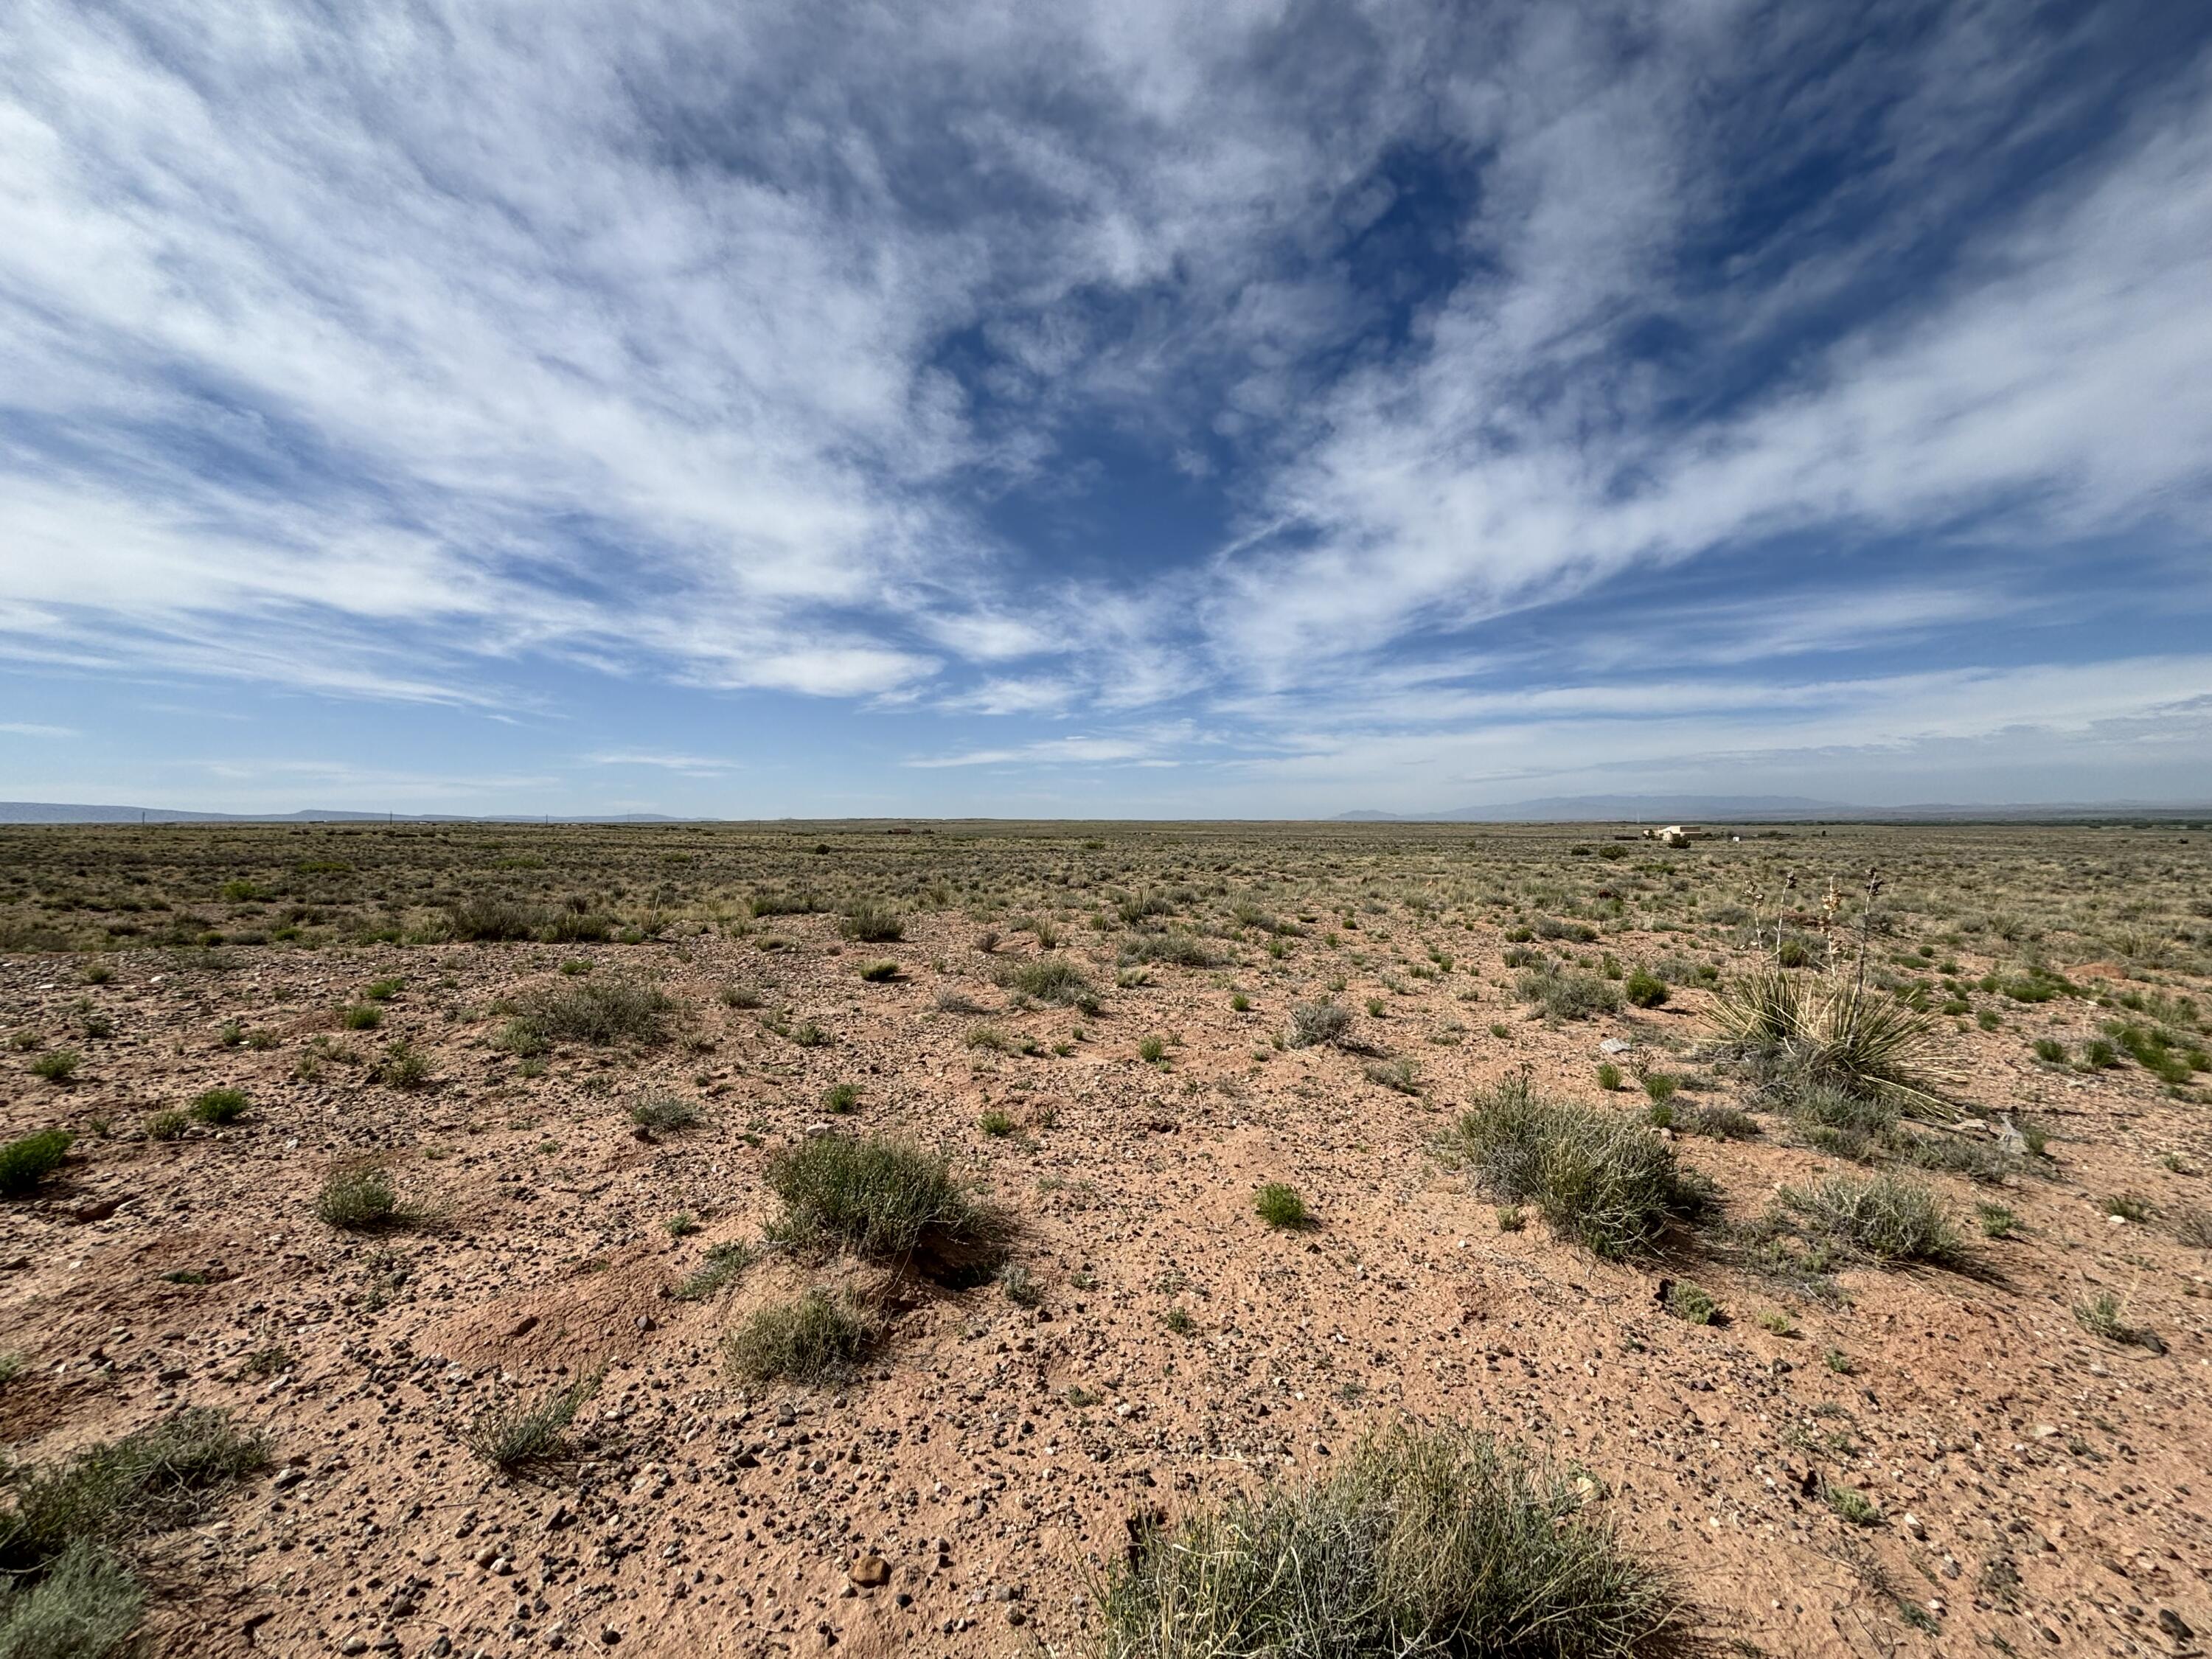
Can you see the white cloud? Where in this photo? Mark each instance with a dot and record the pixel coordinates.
(697, 766)
(1056, 751)
(2065, 375)
(380, 355)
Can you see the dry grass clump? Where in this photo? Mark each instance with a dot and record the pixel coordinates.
(883, 1199)
(1562, 993)
(85, 1606)
(1604, 1179)
(511, 1435)
(819, 1336)
(1441, 1541)
(724, 1262)
(156, 1479)
(664, 1114)
(490, 919)
(871, 924)
(599, 1010)
(1879, 1215)
(1054, 979)
(1316, 1022)
(1174, 949)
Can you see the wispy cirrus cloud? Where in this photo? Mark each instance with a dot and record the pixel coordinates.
(699, 766)
(1315, 382)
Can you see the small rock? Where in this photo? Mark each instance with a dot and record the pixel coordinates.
(1614, 1046)
(870, 1571)
(353, 1644)
(1913, 1524)
(2173, 1625)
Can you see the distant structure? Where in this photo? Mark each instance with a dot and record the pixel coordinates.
(1674, 834)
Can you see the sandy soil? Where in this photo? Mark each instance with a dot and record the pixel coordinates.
(2040, 1490)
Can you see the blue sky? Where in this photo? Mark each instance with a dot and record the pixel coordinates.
(1133, 410)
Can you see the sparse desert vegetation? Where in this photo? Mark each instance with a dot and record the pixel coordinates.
(1132, 1239)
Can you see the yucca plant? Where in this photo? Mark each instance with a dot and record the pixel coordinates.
(1838, 1034)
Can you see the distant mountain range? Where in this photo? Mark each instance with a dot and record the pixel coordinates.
(1553, 809)
(40, 811)
(1764, 809)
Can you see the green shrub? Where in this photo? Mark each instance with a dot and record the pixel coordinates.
(1691, 1304)
(219, 1105)
(510, 1434)
(403, 1065)
(57, 1065)
(1879, 1215)
(995, 1123)
(1717, 1122)
(818, 1337)
(357, 1198)
(659, 1113)
(841, 1098)
(153, 1480)
(881, 1199)
(1609, 1075)
(1852, 1506)
(1280, 1206)
(1598, 1177)
(1429, 1541)
(362, 1017)
(1645, 989)
(165, 1125)
(1152, 1049)
(879, 973)
(24, 1164)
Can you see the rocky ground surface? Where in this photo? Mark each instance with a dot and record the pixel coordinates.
(2038, 1489)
